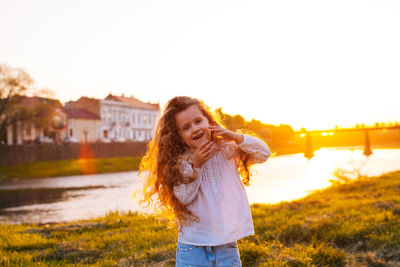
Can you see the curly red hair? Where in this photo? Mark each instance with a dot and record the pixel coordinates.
(160, 164)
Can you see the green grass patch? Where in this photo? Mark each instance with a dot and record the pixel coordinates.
(56, 168)
(351, 224)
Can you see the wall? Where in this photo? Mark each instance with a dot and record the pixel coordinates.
(14, 154)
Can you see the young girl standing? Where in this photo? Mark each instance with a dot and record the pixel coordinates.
(193, 168)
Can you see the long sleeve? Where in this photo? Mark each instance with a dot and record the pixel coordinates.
(187, 192)
(257, 149)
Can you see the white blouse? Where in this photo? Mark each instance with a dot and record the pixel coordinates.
(217, 197)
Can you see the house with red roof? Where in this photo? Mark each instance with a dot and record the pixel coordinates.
(83, 125)
(44, 120)
(121, 118)
(128, 118)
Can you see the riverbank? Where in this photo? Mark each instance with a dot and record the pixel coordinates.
(56, 168)
(351, 224)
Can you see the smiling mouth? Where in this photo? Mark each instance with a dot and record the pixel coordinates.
(196, 137)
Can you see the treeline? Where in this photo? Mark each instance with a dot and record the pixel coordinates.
(283, 140)
(279, 138)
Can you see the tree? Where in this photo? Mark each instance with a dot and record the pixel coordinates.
(14, 82)
(14, 85)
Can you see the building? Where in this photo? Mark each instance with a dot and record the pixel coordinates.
(44, 121)
(128, 118)
(122, 118)
(82, 125)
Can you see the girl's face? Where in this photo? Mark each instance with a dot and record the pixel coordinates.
(193, 126)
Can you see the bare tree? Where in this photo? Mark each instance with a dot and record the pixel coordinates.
(14, 82)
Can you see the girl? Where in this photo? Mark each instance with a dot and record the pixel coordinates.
(192, 167)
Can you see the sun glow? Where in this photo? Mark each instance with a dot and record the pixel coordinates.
(87, 165)
(303, 177)
(286, 75)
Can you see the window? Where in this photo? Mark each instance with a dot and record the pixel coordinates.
(70, 132)
(145, 119)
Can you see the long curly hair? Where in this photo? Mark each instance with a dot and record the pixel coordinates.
(160, 166)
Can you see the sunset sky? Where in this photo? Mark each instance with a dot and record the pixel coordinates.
(313, 64)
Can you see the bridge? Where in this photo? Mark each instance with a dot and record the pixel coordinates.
(309, 152)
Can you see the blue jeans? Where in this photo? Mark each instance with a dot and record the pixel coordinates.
(215, 256)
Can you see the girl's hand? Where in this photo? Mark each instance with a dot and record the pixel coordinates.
(203, 153)
(226, 134)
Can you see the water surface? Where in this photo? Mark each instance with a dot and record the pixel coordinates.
(282, 178)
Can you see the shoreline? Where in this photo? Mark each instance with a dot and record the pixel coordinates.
(59, 168)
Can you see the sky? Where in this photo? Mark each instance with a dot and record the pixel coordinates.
(312, 64)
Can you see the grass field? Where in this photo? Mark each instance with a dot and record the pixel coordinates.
(352, 224)
(54, 168)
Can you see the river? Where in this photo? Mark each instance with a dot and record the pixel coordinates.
(281, 178)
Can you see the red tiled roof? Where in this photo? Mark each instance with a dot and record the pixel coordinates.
(133, 102)
(32, 101)
(90, 104)
(80, 113)
(89, 99)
